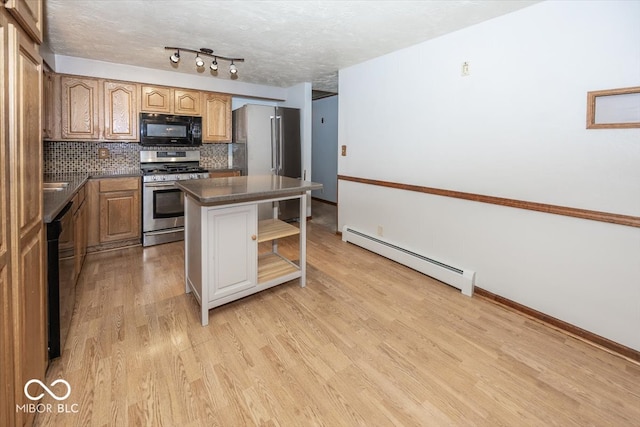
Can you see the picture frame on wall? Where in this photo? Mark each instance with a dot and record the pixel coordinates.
(613, 108)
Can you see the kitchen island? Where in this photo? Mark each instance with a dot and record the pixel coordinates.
(222, 233)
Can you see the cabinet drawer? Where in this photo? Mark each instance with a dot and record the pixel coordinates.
(119, 184)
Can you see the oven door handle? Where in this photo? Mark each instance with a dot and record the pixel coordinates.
(160, 184)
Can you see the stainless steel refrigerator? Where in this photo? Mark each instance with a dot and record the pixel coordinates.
(267, 141)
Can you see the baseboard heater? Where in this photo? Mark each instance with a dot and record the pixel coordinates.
(457, 277)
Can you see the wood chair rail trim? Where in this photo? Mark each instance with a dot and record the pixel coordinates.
(613, 218)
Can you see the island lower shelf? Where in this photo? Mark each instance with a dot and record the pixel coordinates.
(273, 266)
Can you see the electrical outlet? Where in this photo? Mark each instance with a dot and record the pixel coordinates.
(103, 153)
(344, 150)
(380, 231)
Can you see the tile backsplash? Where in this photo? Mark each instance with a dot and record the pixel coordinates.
(124, 157)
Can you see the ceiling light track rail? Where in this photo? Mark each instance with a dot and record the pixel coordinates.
(175, 58)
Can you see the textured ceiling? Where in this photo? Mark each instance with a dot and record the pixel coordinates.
(283, 42)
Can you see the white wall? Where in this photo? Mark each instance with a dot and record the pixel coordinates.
(325, 148)
(514, 128)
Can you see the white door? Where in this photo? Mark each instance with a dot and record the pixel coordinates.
(232, 234)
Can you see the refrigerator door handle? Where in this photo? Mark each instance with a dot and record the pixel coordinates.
(274, 158)
(280, 146)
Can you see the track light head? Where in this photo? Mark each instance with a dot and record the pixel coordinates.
(199, 61)
(175, 58)
(214, 65)
(232, 68)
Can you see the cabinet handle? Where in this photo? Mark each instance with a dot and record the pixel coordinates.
(254, 237)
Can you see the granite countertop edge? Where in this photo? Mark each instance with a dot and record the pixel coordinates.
(240, 194)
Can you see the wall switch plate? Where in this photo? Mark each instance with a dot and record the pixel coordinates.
(344, 150)
(465, 69)
(103, 153)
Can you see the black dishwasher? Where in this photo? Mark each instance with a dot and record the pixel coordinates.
(61, 288)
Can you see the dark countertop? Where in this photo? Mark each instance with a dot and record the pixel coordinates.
(55, 201)
(219, 191)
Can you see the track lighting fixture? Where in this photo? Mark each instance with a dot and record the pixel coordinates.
(233, 70)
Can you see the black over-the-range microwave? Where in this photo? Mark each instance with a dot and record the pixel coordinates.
(169, 130)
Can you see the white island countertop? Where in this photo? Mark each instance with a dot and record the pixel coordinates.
(236, 189)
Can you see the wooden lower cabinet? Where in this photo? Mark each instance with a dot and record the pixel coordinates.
(113, 212)
(80, 231)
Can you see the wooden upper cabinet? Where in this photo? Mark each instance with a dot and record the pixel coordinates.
(156, 99)
(29, 14)
(168, 100)
(80, 104)
(187, 102)
(216, 120)
(49, 97)
(120, 111)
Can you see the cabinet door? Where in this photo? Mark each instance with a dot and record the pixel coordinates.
(80, 105)
(30, 333)
(156, 99)
(119, 216)
(93, 212)
(25, 197)
(49, 107)
(80, 242)
(187, 102)
(29, 14)
(232, 236)
(216, 118)
(120, 111)
(7, 400)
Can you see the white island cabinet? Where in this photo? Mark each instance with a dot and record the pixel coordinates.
(222, 233)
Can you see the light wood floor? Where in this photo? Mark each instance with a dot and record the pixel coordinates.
(368, 342)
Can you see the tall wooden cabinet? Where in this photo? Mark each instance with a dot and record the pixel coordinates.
(7, 385)
(28, 13)
(23, 336)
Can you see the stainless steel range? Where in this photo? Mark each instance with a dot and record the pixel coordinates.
(162, 202)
